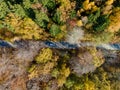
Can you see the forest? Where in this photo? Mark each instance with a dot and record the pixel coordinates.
(35, 66)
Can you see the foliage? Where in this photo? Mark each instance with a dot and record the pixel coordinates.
(4, 9)
(45, 2)
(58, 20)
(87, 5)
(102, 23)
(6, 25)
(44, 56)
(6, 34)
(56, 17)
(25, 28)
(93, 17)
(26, 4)
(115, 85)
(99, 38)
(62, 71)
(89, 81)
(55, 72)
(50, 4)
(97, 56)
(86, 60)
(43, 12)
(109, 2)
(99, 22)
(116, 3)
(18, 10)
(101, 80)
(63, 74)
(41, 18)
(114, 24)
(63, 12)
(40, 69)
(72, 14)
(54, 30)
(44, 63)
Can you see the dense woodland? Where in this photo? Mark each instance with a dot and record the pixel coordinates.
(72, 21)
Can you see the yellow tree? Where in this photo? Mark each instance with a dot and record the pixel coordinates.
(115, 23)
